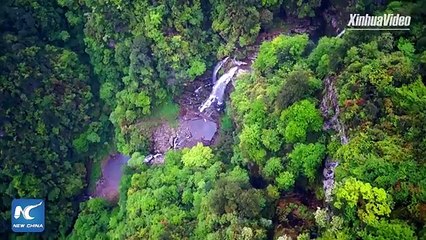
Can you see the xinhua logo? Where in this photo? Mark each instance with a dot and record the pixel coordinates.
(28, 215)
(384, 22)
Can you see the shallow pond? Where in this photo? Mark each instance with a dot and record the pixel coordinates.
(112, 169)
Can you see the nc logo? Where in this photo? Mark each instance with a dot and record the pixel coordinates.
(28, 215)
(26, 212)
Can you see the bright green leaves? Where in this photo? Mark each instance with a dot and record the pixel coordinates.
(392, 230)
(163, 201)
(406, 47)
(131, 106)
(284, 50)
(285, 180)
(299, 120)
(250, 143)
(307, 158)
(144, 53)
(93, 220)
(197, 156)
(196, 68)
(88, 137)
(273, 167)
(412, 97)
(375, 75)
(275, 109)
(370, 203)
(271, 139)
(319, 59)
(136, 161)
(257, 113)
(143, 101)
(267, 58)
(381, 91)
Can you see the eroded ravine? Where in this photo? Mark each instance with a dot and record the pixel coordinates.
(330, 111)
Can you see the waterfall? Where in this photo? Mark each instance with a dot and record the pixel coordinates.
(217, 68)
(330, 111)
(219, 87)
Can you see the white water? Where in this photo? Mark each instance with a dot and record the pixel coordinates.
(217, 68)
(219, 89)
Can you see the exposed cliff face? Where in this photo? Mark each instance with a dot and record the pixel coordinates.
(330, 111)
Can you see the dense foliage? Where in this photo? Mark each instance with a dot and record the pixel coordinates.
(177, 200)
(50, 124)
(36, 149)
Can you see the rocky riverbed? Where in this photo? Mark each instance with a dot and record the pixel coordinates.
(200, 105)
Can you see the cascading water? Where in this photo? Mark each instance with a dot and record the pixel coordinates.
(330, 106)
(330, 111)
(217, 68)
(220, 85)
(219, 89)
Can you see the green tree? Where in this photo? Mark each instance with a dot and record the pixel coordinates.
(93, 220)
(301, 9)
(46, 104)
(282, 51)
(232, 210)
(197, 156)
(298, 85)
(300, 119)
(273, 167)
(236, 22)
(307, 158)
(250, 143)
(367, 202)
(389, 230)
(285, 180)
